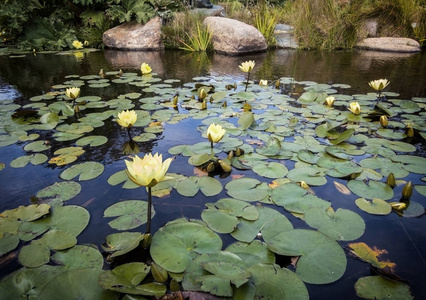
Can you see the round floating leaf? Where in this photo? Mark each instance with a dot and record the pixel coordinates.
(126, 279)
(340, 225)
(22, 161)
(371, 189)
(322, 260)
(6, 140)
(34, 255)
(120, 177)
(77, 284)
(414, 164)
(274, 282)
(223, 216)
(37, 146)
(62, 191)
(35, 279)
(86, 171)
(209, 186)
(187, 187)
(268, 224)
(8, 242)
(175, 245)
(377, 287)
(27, 213)
(310, 175)
(78, 257)
(131, 214)
(253, 253)
(271, 170)
(376, 206)
(93, 141)
(247, 189)
(121, 243)
(412, 210)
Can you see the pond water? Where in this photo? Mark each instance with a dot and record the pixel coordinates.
(22, 78)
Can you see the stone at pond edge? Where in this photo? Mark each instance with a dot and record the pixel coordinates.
(390, 44)
(233, 37)
(135, 36)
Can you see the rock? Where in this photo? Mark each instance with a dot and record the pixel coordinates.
(233, 37)
(216, 10)
(390, 44)
(284, 36)
(135, 36)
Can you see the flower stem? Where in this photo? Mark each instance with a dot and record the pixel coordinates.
(148, 222)
(248, 77)
(211, 145)
(128, 132)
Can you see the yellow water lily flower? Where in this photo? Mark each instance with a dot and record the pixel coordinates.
(330, 100)
(215, 133)
(247, 66)
(127, 118)
(77, 44)
(73, 92)
(149, 170)
(145, 68)
(355, 108)
(379, 84)
(263, 82)
(398, 205)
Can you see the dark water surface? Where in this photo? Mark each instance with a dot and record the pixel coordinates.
(23, 78)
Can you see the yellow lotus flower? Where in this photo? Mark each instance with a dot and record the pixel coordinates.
(149, 170)
(77, 44)
(355, 108)
(263, 82)
(215, 133)
(330, 100)
(127, 118)
(384, 121)
(379, 84)
(73, 92)
(247, 66)
(145, 68)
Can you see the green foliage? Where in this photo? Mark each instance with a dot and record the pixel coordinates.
(126, 10)
(200, 41)
(265, 22)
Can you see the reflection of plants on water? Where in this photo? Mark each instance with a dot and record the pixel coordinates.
(278, 150)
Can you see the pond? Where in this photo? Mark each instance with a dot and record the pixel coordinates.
(288, 135)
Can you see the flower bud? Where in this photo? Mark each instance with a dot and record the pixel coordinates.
(225, 104)
(398, 205)
(390, 181)
(407, 190)
(231, 154)
(175, 100)
(226, 167)
(330, 100)
(277, 84)
(202, 94)
(239, 152)
(304, 185)
(384, 121)
(410, 131)
(210, 167)
(235, 86)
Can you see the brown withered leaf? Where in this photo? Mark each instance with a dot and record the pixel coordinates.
(342, 188)
(365, 253)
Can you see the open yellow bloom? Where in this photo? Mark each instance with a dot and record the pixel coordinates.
(330, 100)
(215, 133)
(77, 44)
(73, 92)
(127, 118)
(355, 108)
(247, 66)
(379, 84)
(263, 82)
(149, 170)
(145, 68)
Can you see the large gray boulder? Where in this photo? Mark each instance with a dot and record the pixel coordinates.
(233, 37)
(390, 44)
(135, 36)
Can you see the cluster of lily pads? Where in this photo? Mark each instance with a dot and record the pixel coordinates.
(279, 144)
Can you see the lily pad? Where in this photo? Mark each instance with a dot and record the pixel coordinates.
(121, 243)
(78, 257)
(59, 191)
(8, 242)
(130, 214)
(376, 206)
(247, 189)
(34, 159)
(252, 253)
(271, 170)
(340, 225)
(176, 244)
(93, 141)
(85, 171)
(371, 189)
(377, 287)
(322, 260)
(310, 175)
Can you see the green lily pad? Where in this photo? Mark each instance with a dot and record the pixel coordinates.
(269, 223)
(223, 216)
(93, 141)
(8, 242)
(340, 225)
(27, 213)
(371, 189)
(413, 210)
(189, 187)
(245, 120)
(77, 284)
(377, 287)
(121, 243)
(273, 282)
(311, 175)
(252, 253)
(122, 177)
(296, 199)
(78, 257)
(37, 146)
(247, 189)
(85, 171)
(130, 214)
(271, 170)
(322, 260)
(175, 245)
(22, 161)
(126, 278)
(414, 164)
(376, 206)
(59, 191)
